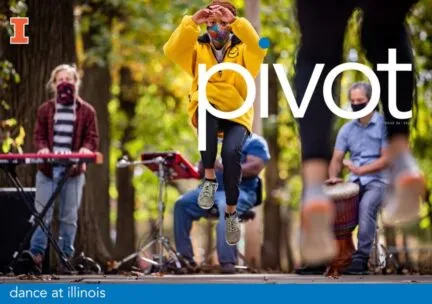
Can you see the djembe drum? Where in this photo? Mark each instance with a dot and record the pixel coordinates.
(346, 198)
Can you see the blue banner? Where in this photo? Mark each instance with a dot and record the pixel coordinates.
(212, 293)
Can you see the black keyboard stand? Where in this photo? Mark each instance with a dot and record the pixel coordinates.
(36, 218)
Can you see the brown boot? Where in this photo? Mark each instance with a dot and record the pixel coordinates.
(36, 261)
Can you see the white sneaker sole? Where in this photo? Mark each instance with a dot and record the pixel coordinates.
(235, 242)
(205, 206)
(232, 244)
(404, 208)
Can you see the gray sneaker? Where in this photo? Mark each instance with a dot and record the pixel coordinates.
(232, 229)
(408, 187)
(206, 196)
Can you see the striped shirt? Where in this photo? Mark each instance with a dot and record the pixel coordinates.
(64, 118)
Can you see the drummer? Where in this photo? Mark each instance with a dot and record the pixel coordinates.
(366, 141)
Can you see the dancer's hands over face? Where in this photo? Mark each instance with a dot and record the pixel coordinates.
(222, 13)
(201, 16)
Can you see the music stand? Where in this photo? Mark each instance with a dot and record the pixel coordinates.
(167, 166)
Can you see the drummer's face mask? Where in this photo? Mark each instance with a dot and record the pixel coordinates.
(358, 99)
(358, 107)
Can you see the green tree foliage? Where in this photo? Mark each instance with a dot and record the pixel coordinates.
(420, 27)
(12, 134)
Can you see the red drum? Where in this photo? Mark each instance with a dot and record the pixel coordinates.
(346, 198)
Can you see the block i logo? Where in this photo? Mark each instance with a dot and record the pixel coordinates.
(19, 36)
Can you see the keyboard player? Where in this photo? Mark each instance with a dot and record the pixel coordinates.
(64, 124)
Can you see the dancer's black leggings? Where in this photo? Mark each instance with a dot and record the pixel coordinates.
(323, 24)
(233, 140)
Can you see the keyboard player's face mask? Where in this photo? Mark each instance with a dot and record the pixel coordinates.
(65, 93)
(65, 87)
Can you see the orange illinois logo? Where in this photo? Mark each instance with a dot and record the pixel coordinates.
(19, 36)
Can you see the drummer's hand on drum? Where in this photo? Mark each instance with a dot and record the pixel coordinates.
(334, 180)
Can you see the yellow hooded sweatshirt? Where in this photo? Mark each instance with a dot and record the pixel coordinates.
(226, 90)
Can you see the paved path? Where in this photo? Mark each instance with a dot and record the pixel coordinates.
(219, 279)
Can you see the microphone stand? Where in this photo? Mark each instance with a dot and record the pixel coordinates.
(161, 240)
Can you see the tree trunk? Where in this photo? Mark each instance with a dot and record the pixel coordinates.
(253, 15)
(253, 231)
(272, 219)
(209, 227)
(125, 225)
(408, 262)
(286, 237)
(94, 229)
(4, 38)
(429, 202)
(52, 42)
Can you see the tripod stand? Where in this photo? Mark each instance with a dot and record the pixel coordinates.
(162, 242)
(382, 258)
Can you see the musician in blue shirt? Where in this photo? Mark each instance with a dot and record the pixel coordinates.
(366, 141)
(255, 155)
